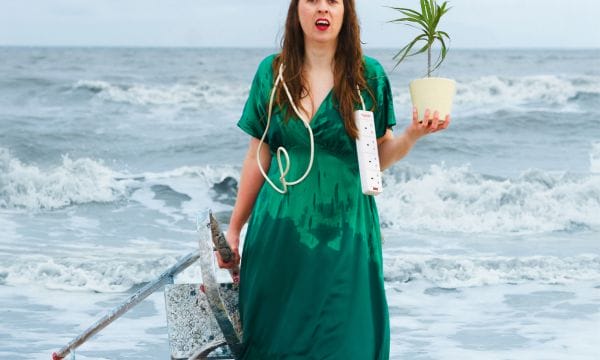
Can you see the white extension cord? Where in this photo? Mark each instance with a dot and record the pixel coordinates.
(367, 153)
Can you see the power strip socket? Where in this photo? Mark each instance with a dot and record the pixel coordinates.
(368, 156)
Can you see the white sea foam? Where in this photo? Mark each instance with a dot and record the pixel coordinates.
(526, 321)
(491, 93)
(91, 274)
(85, 180)
(460, 271)
(484, 94)
(487, 90)
(77, 181)
(455, 199)
(194, 95)
(118, 274)
(595, 158)
(65, 314)
(194, 182)
(208, 174)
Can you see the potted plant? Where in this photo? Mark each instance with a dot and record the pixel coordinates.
(432, 93)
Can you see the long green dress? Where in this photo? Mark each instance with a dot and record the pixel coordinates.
(311, 283)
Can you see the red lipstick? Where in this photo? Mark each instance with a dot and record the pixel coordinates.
(322, 24)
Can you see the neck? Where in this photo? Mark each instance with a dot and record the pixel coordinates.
(319, 56)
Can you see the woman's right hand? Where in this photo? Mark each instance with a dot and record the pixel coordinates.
(233, 239)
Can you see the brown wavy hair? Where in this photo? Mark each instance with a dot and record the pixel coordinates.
(348, 65)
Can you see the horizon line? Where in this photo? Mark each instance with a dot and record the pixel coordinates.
(274, 47)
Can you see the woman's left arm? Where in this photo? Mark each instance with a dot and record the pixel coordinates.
(393, 149)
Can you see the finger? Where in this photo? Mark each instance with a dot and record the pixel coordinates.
(435, 122)
(425, 121)
(236, 254)
(415, 116)
(236, 277)
(226, 265)
(446, 122)
(219, 257)
(443, 125)
(222, 264)
(234, 260)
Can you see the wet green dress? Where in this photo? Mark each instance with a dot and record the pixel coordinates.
(311, 283)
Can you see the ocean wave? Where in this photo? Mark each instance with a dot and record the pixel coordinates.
(188, 189)
(99, 275)
(77, 181)
(193, 95)
(492, 93)
(210, 175)
(82, 181)
(463, 271)
(123, 274)
(455, 199)
(485, 94)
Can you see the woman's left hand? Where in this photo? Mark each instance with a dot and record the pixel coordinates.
(428, 125)
(393, 149)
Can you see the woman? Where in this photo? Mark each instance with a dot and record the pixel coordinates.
(311, 281)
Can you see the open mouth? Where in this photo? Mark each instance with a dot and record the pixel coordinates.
(322, 24)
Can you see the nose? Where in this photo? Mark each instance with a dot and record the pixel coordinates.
(323, 7)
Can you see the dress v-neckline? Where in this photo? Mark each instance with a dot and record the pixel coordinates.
(314, 117)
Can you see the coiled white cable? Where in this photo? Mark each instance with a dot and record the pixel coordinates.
(281, 150)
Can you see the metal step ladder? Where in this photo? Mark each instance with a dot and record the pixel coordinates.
(202, 319)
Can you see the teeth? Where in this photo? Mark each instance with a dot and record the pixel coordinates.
(322, 22)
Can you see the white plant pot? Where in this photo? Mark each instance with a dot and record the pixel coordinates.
(434, 94)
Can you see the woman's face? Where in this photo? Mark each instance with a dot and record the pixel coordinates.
(321, 20)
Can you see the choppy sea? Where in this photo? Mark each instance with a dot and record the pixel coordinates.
(492, 228)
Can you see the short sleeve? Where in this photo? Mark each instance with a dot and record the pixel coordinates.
(254, 115)
(385, 117)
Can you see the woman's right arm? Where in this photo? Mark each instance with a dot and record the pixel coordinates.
(251, 180)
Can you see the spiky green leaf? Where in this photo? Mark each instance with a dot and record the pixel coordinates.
(443, 52)
(426, 9)
(411, 20)
(405, 51)
(426, 22)
(409, 11)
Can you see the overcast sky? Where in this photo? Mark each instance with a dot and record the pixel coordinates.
(258, 23)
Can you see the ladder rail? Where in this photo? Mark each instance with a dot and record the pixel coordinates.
(165, 278)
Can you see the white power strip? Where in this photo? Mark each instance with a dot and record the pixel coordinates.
(368, 156)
